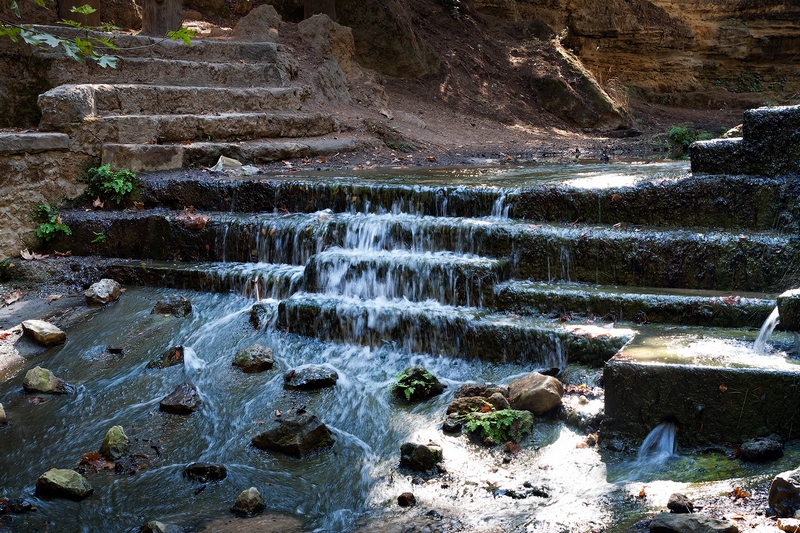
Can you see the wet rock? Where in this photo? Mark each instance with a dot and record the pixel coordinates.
(406, 499)
(255, 358)
(103, 292)
(761, 450)
(205, 472)
(172, 357)
(310, 377)
(248, 503)
(790, 525)
(420, 457)
(3, 418)
(452, 425)
(63, 483)
(40, 379)
(260, 314)
(464, 406)
(680, 504)
(154, 526)
(536, 393)
(789, 309)
(784, 494)
(498, 401)
(417, 384)
(690, 523)
(480, 389)
(115, 443)
(19, 506)
(184, 400)
(3, 507)
(43, 332)
(179, 306)
(295, 435)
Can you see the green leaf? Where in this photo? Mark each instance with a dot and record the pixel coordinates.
(72, 23)
(50, 40)
(108, 43)
(108, 28)
(107, 61)
(71, 50)
(184, 34)
(85, 9)
(40, 3)
(11, 33)
(15, 8)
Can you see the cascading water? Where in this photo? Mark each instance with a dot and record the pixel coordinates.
(659, 445)
(764, 334)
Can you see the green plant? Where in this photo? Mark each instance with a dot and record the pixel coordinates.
(107, 183)
(99, 237)
(500, 426)
(416, 383)
(51, 222)
(681, 137)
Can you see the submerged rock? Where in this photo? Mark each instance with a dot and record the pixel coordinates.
(205, 472)
(406, 499)
(248, 503)
(295, 435)
(63, 483)
(43, 332)
(761, 450)
(40, 379)
(690, 523)
(20, 505)
(260, 314)
(536, 393)
(115, 443)
(417, 384)
(310, 377)
(255, 358)
(680, 504)
(784, 494)
(179, 306)
(420, 457)
(184, 400)
(172, 357)
(103, 292)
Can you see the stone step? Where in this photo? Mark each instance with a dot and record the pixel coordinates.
(602, 255)
(575, 301)
(429, 327)
(448, 278)
(541, 193)
(158, 157)
(74, 103)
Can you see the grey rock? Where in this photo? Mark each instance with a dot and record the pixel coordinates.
(179, 306)
(260, 25)
(40, 379)
(680, 504)
(310, 377)
(255, 358)
(536, 393)
(172, 357)
(154, 526)
(452, 425)
(464, 406)
(295, 435)
(420, 457)
(498, 401)
(115, 443)
(784, 494)
(16, 143)
(205, 472)
(63, 483)
(43, 332)
(789, 309)
(184, 400)
(103, 292)
(761, 450)
(248, 503)
(690, 523)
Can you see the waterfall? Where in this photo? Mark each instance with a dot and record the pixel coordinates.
(659, 444)
(760, 346)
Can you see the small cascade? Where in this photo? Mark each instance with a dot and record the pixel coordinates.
(659, 445)
(764, 334)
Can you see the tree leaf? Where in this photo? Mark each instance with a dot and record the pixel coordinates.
(184, 34)
(85, 9)
(15, 8)
(107, 61)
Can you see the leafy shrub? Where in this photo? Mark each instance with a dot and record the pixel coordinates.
(416, 383)
(681, 137)
(500, 426)
(51, 222)
(106, 183)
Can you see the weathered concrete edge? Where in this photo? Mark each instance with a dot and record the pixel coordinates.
(19, 143)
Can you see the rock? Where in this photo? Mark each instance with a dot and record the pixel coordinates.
(784, 494)
(417, 384)
(464, 406)
(310, 377)
(115, 443)
(63, 483)
(172, 357)
(761, 450)
(452, 425)
(3, 418)
(184, 400)
(19, 506)
(179, 306)
(295, 435)
(680, 504)
(260, 314)
(255, 358)
(406, 499)
(480, 389)
(789, 309)
(205, 472)
(43, 332)
(536, 393)
(259, 25)
(420, 457)
(40, 379)
(123, 13)
(498, 401)
(217, 8)
(103, 292)
(248, 503)
(732, 133)
(329, 39)
(154, 526)
(690, 523)
(790, 525)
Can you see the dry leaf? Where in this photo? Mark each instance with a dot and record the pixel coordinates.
(737, 493)
(616, 198)
(138, 206)
(13, 297)
(26, 255)
(642, 495)
(96, 461)
(36, 400)
(62, 254)
(186, 143)
(195, 222)
(486, 408)
(723, 388)
(321, 160)
(53, 297)
(431, 159)
(98, 203)
(4, 334)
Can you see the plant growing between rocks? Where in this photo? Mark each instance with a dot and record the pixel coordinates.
(51, 223)
(416, 383)
(682, 136)
(105, 183)
(496, 427)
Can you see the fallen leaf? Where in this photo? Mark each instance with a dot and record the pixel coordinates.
(53, 297)
(723, 388)
(737, 493)
(431, 159)
(486, 408)
(321, 160)
(615, 197)
(98, 203)
(36, 400)
(186, 143)
(191, 221)
(13, 297)
(26, 255)
(617, 225)
(138, 206)
(642, 494)
(4, 334)
(96, 461)
(62, 254)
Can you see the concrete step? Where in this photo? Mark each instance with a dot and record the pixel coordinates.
(71, 103)
(158, 157)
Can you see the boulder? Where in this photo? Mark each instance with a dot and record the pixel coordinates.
(115, 443)
(420, 457)
(184, 400)
(310, 377)
(248, 503)
(498, 401)
(295, 435)
(680, 504)
(789, 309)
(205, 472)
(259, 25)
(406, 499)
(43, 332)
(3, 418)
(329, 39)
(761, 450)
(179, 306)
(255, 358)
(40, 379)
(484, 390)
(417, 384)
(784, 494)
(172, 357)
(260, 314)
(464, 406)
(536, 393)
(690, 523)
(103, 292)
(63, 483)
